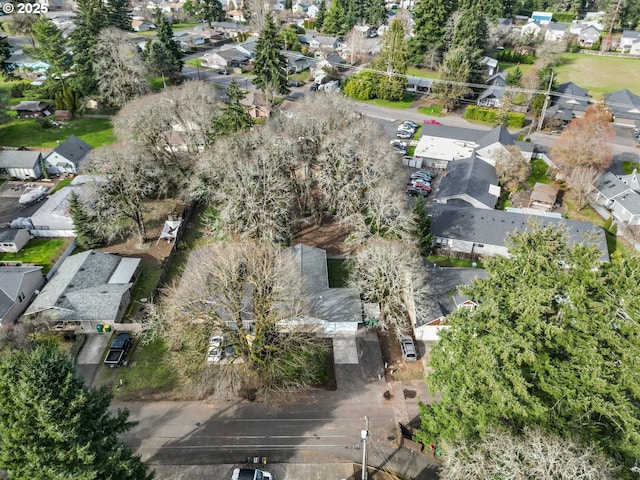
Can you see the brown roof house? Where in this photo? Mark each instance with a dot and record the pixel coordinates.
(544, 196)
(29, 109)
(256, 105)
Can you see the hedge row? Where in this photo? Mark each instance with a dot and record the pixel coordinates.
(490, 115)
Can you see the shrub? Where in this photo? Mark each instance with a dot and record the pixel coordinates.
(359, 88)
(607, 223)
(18, 89)
(44, 122)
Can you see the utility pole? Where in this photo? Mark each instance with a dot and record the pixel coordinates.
(364, 434)
(544, 105)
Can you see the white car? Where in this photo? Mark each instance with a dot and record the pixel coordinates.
(404, 134)
(215, 352)
(250, 474)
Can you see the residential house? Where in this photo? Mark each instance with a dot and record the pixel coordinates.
(479, 232)
(33, 109)
(469, 182)
(13, 239)
(543, 18)
(531, 28)
(236, 15)
(18, 286)
(248, 47)
(505, 24)
(230, 58)
(544, 196)
(587, 37)
(338, 309)
(67, 157)
(318, 41)
(187, 42)
(296, 62)
(441, 298)
(22, 164)
(569, 101)
(419, 84)
(300, 9)
(555, 32)
(620, 195)
(230, 29)
(256, 104)
(53, 218)
(141, 26)
(624, 106)
(492, 96)
(629, 40)
(490, 65)
(595, 19)
(312, 11)
(90, 288)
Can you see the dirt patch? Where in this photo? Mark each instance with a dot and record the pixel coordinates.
(397, 369)
(329, 236)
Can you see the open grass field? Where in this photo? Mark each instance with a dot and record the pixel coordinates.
(28, 133)
(402, 104)
(422, 72)
(506, 66)
(600, 74)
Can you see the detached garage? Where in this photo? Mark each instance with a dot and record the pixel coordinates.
(22, 164)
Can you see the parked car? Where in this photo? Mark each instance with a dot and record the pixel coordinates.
(295, 84)
(424, 175)
(417, 192)
(313, 87)
(222, 71)
(409, 352)
(404, 134)
(431, 122)
(214, 354)
(414, 125)
(250, 474)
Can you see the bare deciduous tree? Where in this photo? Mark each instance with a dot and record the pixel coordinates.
(535, 455)
(252, 294)
(389, 273)
(512, 168)
(132, 179)
(586, 141)
(355, 40)
(581, 184)
(119, 68)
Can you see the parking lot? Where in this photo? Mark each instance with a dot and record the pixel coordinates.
(10, 208)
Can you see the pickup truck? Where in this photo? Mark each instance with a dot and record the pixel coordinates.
(118, 349)
(250, 474)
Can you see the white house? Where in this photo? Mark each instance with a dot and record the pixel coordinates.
(68, 156)
(555, 32)
(18, 286)
(628, 40)
(312, 11)
(22, 164)
(532, 28)
(13, 239)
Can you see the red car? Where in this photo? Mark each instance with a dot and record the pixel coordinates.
(431, 122)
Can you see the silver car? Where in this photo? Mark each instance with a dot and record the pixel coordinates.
(409, 352)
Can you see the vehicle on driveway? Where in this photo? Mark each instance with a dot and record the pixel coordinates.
(222, 71)
(404, 134)
(118, 350)
(413, 125)
(250, 474)
(295, 84)
(426, 176)
(216, 350)
(409, 352)
(417, 192)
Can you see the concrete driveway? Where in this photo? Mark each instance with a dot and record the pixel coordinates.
(90, 356)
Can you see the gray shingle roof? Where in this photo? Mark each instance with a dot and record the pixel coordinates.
(73, 149)
(79, 290)
(570, 95)
(623, 103)
(497, 134)
(8, 235)
(611, 186)
(19, 159)
(10, 283)
(458, 133)
(469, 176)
(31, 106)
(492, 227)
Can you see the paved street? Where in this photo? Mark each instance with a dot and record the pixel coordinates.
(317, 431)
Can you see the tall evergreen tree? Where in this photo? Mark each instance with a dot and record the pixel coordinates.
(322, 12)
(234, 116)
(50, 47)
(334, 20)
(163, 53)
(6, 68)
(430, 18)
(392, 60)
(91, 17)
(209, 10)
(86, 236)
(375, 12)
(53, 426)
(456, 70)
(472, 30)
(118, 15)
(270, 64)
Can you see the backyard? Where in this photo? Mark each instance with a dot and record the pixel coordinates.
(39, 251)
(28, 133)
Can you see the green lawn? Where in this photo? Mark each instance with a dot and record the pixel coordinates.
(538, 172)
(401, 104)
(506, 66)
(195, 62)
(41, 251)
(338, 272)
(61, 184)
(433, 110)
(27, 133)
(599, 74)
(422, 72)
(148, 374)
(453, 262)
(629, 167)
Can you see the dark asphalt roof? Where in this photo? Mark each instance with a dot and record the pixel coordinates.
(73, 149)
(469, 176)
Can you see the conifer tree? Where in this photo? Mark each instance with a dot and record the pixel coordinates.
(322, 12)
(86, 237)
(163, 54)
(270, 64)
(234, 116)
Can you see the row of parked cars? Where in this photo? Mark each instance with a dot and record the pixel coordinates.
(420, 183)
(407, 129)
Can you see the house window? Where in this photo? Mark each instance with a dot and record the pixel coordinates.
(7, 244)
(21, 297)
(481, 245)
